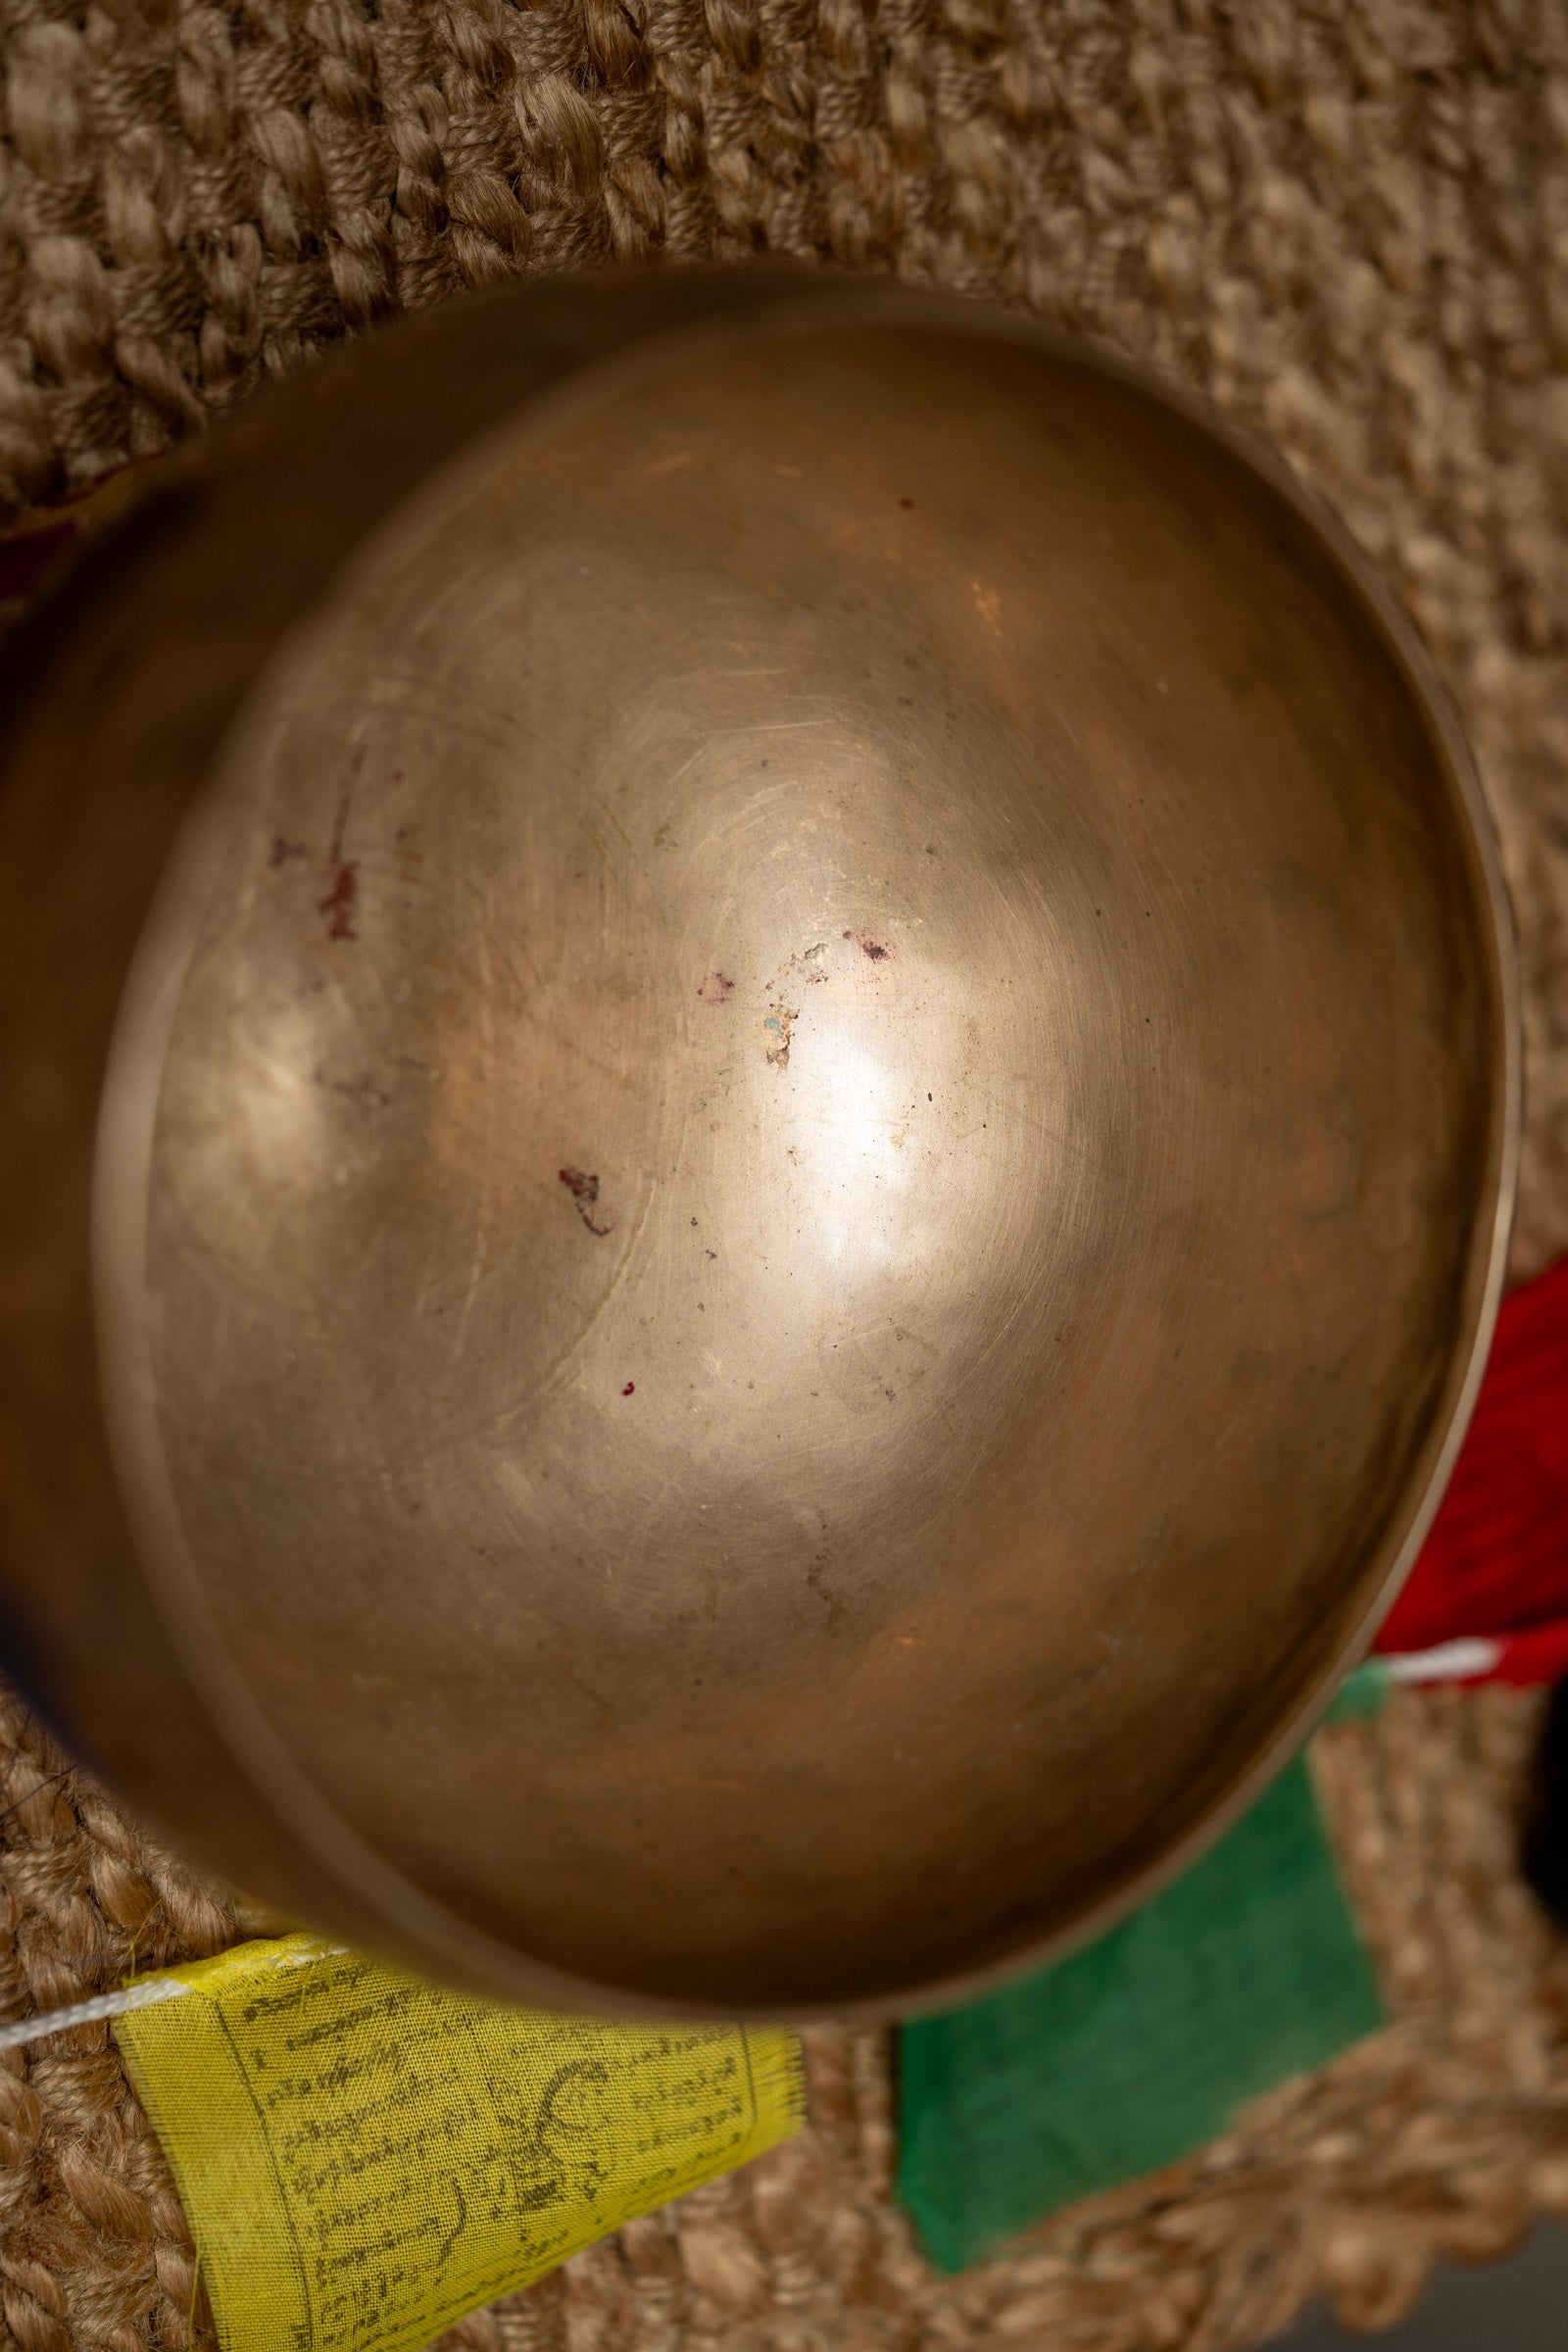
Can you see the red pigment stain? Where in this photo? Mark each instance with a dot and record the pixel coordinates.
(339, 901)
(338, 904)
(584, 1190)
(905, 502)
(283, 850)
(717, 989)
(630, 1389)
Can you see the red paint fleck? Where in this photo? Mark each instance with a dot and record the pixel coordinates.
(584, 1190)
(630, 1389)
(283, 850)
(717, 989)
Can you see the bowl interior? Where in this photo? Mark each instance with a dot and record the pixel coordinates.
(816, 1165)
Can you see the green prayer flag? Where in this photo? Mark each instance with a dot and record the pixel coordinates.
(1140, 2047)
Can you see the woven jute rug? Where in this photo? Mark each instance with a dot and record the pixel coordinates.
(1346, 221)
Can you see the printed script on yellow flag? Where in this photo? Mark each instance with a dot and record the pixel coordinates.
(364, 2157)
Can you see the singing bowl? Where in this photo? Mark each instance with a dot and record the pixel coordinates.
(760, 1096)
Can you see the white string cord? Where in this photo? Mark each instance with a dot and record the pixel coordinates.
(1457, 1661)
(142, 1994)
(91, 2013)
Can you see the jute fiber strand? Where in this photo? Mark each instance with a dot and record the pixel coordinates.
(1347, 222)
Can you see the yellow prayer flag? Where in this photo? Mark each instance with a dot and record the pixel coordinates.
(363, 2157)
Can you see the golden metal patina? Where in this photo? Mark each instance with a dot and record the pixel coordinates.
(806, 1158)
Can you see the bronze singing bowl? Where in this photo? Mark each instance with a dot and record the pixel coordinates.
(805, 1157)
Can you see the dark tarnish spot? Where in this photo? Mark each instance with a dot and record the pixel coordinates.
(584, 1190)
(717, 989)
(366, 1093)
(283, 850)
(809, 966)
(776, 1031)
(832, 1603)
(905, 502)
